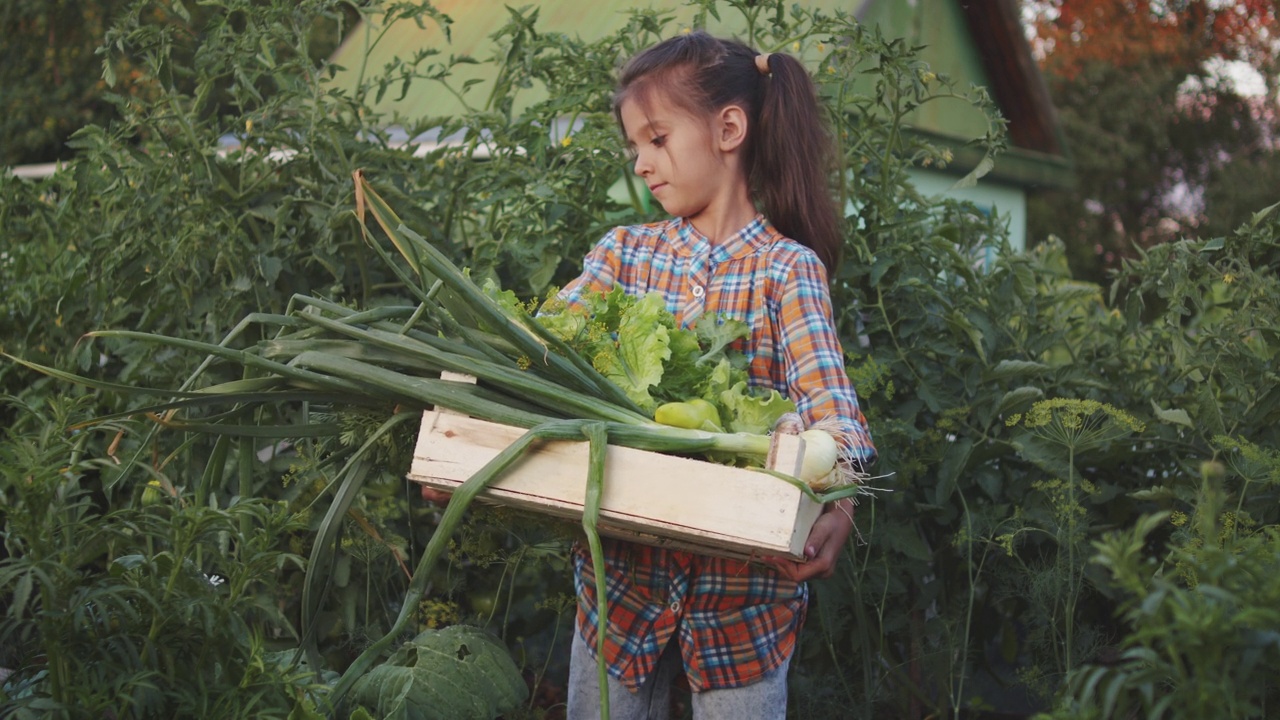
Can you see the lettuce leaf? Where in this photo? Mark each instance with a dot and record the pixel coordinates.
(568, 326)
(635, 361)
(715, 334)
(750, 412)
(683, 373)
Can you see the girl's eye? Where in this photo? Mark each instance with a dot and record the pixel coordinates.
(659, 141)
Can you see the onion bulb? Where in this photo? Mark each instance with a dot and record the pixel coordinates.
(818, 466)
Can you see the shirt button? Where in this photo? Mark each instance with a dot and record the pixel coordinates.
(675, 606)
(698, 291)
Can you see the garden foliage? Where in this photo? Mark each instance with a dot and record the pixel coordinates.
(1044, 536)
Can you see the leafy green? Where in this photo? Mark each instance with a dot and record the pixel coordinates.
(636, 343)
(684, 371)
(715, 334)
(635, 361)
(753, 413)
(456, 673)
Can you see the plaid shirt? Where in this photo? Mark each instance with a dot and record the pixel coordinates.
(735, 621)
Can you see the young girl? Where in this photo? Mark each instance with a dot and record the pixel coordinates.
(720, 133)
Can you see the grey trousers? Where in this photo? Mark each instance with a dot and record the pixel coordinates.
(762, 700)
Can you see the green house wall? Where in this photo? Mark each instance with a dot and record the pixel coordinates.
(937, 25)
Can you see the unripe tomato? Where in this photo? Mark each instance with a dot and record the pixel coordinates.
(482, 602)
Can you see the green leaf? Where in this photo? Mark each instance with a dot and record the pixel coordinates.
(1175, 416)
(1006, 369)
(879, 268)
(959, 323)
(1257, 218)
(721, 379)
(1044, 455)
(953, 464)
(1018, 397)
(716, 334)
(21, 593)
(635, 362)
(108, 72)
(1154, 493)
(566, 325)
(456, 673)
(985, 166)
(906, 540)
(749, 413)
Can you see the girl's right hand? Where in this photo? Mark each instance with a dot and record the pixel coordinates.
(439, 497)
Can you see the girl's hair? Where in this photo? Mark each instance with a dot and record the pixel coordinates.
(786, 149)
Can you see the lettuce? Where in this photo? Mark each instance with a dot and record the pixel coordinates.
(636, 343)
(636, 359)
(749, 412)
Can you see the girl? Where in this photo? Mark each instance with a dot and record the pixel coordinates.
(718, 130)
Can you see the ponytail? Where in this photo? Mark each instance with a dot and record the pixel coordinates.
(792, 161)
(786, 152)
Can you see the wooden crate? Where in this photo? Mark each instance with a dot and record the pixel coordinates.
(648, 497)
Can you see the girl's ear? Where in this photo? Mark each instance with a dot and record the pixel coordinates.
(731, 128)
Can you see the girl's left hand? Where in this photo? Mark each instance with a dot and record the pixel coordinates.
(826, 540)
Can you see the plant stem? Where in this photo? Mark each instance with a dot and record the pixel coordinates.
(598, 437)
(1071, 555)
(461, 500)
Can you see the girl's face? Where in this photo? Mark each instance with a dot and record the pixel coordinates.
(678, 156)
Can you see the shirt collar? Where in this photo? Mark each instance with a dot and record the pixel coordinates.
(756, 235)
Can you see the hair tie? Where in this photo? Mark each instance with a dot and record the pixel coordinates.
(762, 63)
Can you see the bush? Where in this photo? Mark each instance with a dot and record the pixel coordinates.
(1020, 414)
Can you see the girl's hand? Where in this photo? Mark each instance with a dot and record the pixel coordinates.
(439, 497)
(826, 540)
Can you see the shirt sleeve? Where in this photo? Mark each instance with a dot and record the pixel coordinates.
(814, 359)
(599, 270)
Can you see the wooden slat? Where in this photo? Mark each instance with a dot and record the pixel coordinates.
(649, 497)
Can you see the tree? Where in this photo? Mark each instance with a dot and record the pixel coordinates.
(50, 78)
(52, 70)
(1160, 137)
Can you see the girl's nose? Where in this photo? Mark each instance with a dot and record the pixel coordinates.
(642, 166)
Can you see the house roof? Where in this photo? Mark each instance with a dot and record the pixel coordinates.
(973, 41)
(1015, 81)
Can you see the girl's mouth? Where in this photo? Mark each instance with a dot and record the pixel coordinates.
(655, 188)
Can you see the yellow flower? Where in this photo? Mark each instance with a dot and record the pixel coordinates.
(831, 69)
(248, 127)
(566, 141)
(795, 46)
(822, 47)
(1228, 278)
(686, 31)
